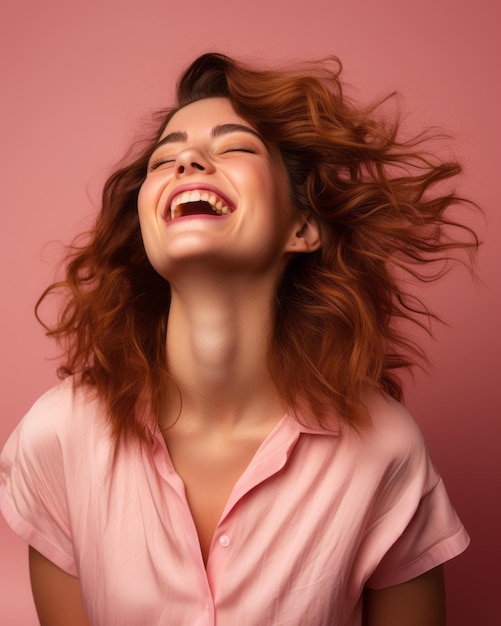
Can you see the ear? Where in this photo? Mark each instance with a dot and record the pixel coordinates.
(307, 236)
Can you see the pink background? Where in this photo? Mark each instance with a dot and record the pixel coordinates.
(76, 81)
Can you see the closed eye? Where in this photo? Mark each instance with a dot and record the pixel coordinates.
(156, 164)
(239, 149)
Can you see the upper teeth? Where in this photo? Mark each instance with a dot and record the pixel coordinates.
(217, 204)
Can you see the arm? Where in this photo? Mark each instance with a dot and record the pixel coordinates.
(57, 595)
(418, 602)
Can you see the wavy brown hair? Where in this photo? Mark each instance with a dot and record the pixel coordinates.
(383, 206)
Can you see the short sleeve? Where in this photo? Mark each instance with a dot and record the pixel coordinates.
(434, 535)
(32, 486)
(416, 522)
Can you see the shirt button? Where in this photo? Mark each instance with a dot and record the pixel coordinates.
(224, 541)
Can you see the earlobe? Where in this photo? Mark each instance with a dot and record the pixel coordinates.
(307, 237)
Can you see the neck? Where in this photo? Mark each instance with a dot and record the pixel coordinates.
(217, 343)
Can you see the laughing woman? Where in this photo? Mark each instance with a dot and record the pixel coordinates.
(227, 446)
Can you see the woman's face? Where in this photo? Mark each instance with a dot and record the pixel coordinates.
(216, 193)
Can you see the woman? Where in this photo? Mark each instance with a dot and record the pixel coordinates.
(228, 446)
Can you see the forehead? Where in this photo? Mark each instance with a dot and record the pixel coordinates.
(203, 115)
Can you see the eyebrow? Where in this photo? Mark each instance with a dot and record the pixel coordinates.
(217, 131)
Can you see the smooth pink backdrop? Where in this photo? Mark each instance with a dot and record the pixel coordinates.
(78, 78)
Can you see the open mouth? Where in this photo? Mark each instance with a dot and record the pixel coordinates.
(198, 202)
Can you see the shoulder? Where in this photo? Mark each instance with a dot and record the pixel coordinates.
(392, 446)
(391, 433)
(65, 403)
(392, 423)
(392, 428)
(64, 419)
(49, 455)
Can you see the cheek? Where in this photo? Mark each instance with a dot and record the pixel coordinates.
(147, 215)
(267, 184)
(278, 185)
(280, 198)
(144, 198)
(148, 200)
(151, 191)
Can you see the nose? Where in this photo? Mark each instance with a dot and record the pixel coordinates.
(192, 160)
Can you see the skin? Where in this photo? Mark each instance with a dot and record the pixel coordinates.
(418, 602)
(223, 273)
(57, 595)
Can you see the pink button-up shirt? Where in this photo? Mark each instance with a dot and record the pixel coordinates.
(314, 518)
